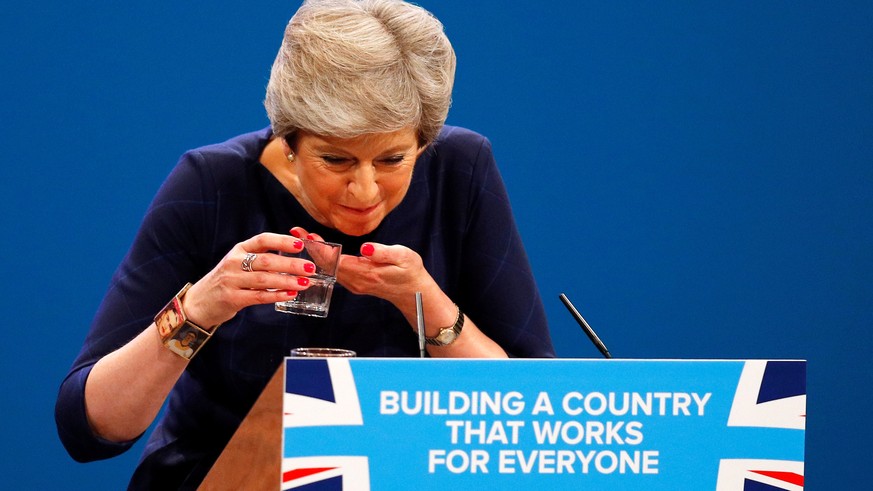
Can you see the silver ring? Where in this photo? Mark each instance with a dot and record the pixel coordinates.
(247, 262)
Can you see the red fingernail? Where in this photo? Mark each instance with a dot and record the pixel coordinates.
(294, 233)
(309, 268)
(368, 249)
(310, 237)
(292, 293)
(303, 281)
(298, 244)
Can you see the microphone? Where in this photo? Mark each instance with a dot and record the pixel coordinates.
(419, 317)
(585, 327)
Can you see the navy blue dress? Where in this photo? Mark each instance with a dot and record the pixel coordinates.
(456, 215)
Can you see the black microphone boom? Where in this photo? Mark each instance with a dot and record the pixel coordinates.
(585, 327)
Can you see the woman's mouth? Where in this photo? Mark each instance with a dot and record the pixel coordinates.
(360, 211)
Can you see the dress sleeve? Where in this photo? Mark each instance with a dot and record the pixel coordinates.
(500, 291)
(158, 263)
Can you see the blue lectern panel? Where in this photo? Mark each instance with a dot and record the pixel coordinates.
(543, 424)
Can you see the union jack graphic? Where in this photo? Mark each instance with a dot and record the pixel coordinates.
(770, 394)
(322, 392)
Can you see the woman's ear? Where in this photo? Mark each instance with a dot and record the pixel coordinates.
(421, 150)
(289, 147)
(289, 143)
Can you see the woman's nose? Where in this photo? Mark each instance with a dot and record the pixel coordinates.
(363, 184)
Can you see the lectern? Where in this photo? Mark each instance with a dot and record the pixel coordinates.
(252, 458)
(393, 424)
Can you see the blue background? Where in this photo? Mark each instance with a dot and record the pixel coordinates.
(696, 176)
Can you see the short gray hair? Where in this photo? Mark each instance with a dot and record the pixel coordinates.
(352, 67)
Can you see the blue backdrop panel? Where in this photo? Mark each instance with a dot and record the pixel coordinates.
(696, 176)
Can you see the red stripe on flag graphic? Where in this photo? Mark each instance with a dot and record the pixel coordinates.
(789, 477)
(298, 473)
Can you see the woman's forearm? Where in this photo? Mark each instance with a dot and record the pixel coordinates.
(440, 311)
(126, 388)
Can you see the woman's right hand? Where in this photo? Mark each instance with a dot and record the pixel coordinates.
(227, 289)
(122, 399)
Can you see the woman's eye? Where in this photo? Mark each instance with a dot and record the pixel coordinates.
(393, 160)
(334, 160)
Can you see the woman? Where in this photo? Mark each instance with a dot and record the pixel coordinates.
(356, 153)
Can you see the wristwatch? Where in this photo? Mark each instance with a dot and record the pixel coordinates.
(448, 335)
(178, 334)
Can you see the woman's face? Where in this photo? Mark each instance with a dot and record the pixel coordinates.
(352, 184)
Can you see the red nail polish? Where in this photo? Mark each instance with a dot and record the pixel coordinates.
(294, 233)
(298, 244)
(303, 281)
(309, 268)
(292, 293)
(310, 237)
(368, 249)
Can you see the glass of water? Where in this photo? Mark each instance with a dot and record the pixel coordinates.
(315, 300)
(322, 353)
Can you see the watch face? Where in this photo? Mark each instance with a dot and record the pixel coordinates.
(446, 336)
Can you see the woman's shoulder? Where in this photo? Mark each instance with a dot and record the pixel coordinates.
(458, 139)
(203, 173)
(461, 151)
(246, 147)
(228, 165)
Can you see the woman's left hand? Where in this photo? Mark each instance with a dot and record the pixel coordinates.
(390, 272)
